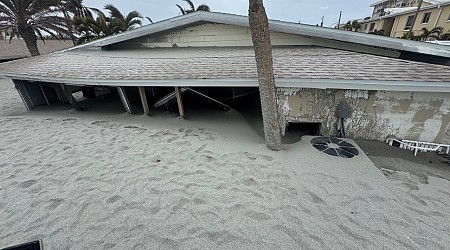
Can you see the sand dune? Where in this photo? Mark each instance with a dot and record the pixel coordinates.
(83, 181)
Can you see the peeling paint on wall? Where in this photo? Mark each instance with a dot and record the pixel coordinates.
(374, 114)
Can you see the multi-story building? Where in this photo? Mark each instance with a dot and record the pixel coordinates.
(397, 21)
(380, 6)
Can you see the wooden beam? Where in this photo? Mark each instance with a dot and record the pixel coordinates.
(180, 102)
(123, 97)
(70, 97)
(43, 93)
(144, 100)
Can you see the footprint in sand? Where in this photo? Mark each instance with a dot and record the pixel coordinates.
(54, 203)
(114, 198)
(28, 183)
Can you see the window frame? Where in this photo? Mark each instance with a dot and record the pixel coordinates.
(408, 27)
(426, 15)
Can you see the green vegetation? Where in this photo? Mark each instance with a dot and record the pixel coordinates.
(201, 7)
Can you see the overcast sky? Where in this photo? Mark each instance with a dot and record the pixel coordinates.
(306, 11)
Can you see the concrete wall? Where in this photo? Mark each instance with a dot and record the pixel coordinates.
(375, 114)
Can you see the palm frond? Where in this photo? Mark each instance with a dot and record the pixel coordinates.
(203, 7)
(191, 5)
(114, 12)
(183, 12)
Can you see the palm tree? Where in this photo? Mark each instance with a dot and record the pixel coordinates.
(126, 22)
(445, 36)
(72, 9)
(355, 25)
(93, 29)
(201, 7)
(259, 27)
(32, 19)
(433, 33)
(348, 26)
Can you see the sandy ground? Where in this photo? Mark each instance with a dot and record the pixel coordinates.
(109, 180)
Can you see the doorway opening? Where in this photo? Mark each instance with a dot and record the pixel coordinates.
(295, 131)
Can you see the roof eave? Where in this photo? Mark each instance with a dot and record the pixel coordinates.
(346, 84)
(278, 26)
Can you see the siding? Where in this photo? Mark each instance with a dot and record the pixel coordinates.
(221, 35)
(210, 34)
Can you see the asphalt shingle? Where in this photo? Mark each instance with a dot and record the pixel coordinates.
(223, 62)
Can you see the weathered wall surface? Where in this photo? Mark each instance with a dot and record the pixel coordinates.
(374, 114)
(221, 35)
(211, 34)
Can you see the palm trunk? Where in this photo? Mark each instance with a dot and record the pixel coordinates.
(30, 39)
(259, 26)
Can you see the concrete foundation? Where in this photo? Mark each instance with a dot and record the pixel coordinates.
(374, 114)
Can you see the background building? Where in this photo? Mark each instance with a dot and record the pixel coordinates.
(396, 21)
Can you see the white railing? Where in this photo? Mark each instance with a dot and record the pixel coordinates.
(417, 146)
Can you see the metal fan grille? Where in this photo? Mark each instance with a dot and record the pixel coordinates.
(334, 147)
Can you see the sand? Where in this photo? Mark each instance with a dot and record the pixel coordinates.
(93, 180)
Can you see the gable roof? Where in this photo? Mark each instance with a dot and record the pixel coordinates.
(277, 26)
(294, 66)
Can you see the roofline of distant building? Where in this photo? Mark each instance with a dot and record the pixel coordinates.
(382, 1)
(407, 12)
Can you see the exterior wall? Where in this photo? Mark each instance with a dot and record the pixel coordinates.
(439, 18)
(210, 34)
(221, 35)
(379, 6)
(374, 114)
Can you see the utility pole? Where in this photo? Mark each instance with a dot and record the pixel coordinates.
(339, 22)
(415, 16)
(321, 23)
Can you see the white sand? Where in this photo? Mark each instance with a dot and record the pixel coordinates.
(86, 180)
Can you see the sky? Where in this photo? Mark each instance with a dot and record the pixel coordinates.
(306, 11)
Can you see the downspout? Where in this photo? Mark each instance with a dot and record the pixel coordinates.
(438, 16)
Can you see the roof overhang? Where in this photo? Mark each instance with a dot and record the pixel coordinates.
(442, 87)
(276, 26)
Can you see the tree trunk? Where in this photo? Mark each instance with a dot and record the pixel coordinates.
(30, 39)
(259, 26)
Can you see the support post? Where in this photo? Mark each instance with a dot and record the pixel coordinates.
(144, 100)
(23, 93)
(180, 102)
(70, 97)
(123, 97)
(43, 93)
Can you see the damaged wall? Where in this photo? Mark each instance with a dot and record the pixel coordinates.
(221, 35)
(374, 114)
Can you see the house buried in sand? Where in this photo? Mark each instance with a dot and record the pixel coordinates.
(376, 86)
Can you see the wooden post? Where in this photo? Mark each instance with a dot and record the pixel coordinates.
(123, 97)
(180, 102)
(144, 100)
(66, 91)
(43, 93)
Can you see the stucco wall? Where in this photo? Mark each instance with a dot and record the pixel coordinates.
(374, 114)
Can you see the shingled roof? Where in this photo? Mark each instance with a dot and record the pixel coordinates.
(296, 66)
